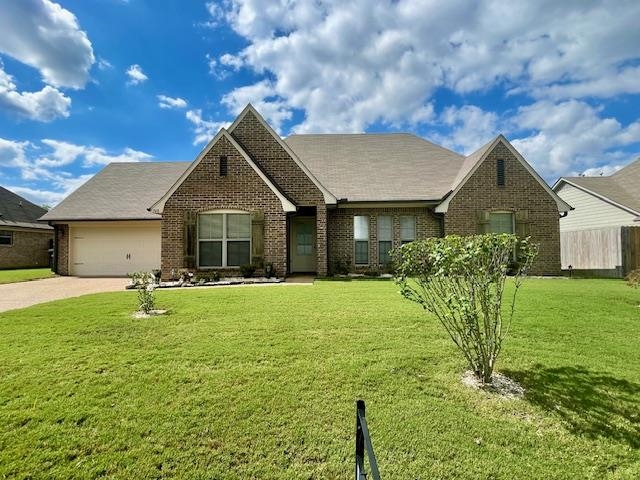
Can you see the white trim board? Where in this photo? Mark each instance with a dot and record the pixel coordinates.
(329, 198)
(287, 206)
(562, 205)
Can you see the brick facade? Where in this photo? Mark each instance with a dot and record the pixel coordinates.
(30, 249)
(205, 190)
(521, 192)
(341, 242)
(61, 246)
(274, 160)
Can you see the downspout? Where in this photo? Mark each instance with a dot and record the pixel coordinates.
(440, 218)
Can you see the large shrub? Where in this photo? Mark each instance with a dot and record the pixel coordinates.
(461, 280)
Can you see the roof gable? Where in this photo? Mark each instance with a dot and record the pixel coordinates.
(329, 198)
(287, 205)
(473, 162)
(595, 186)
(620, 189)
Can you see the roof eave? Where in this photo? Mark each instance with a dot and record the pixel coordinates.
(597, 195)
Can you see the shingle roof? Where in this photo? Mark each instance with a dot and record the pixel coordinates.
(623, 187)
(378, 167)
(16, 211)
(121, 191)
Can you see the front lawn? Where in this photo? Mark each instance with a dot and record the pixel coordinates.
(260, 382)
(24, 274)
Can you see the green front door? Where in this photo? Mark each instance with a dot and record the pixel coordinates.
(302, 244)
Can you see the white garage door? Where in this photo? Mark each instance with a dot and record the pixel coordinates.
(114, 250)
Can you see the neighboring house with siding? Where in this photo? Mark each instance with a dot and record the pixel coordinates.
(24, 242)
(304, 204)
(602, 233)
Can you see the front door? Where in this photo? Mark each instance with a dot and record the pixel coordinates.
(302, 244)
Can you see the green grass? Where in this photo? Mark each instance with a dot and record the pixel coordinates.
(261, 383)
(24, 275)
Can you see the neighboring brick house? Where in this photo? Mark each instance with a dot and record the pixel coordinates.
(24, 243)
(310, 203)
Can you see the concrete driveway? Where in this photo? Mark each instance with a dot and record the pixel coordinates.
(25, 294)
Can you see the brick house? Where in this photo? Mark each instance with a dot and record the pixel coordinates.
(309, 203)
(24, 243)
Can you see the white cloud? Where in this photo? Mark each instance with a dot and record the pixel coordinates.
(204, 130)
(603, 170)
(348, 65)
(99, 156)
(63, 153)
(470, 127)
(262, 96)
(43, 106)
(41, 196)
(38, 167)
(136, 75)
(571, 137)
(171, 103)
(45, 36)
(104, 64)
(231, 61)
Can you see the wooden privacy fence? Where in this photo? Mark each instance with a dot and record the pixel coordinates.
(609, 251)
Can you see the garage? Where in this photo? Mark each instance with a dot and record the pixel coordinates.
(113, 249)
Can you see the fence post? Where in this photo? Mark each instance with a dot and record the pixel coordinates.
(360, 410)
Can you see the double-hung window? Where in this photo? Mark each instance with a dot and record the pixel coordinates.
(407, 229)
(6, 238)
(361, 239)
(501, 222)
(224, 239)
(385, 239)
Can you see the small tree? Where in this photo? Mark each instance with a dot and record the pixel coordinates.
(461, 281)
(633, 279)
(145, 284)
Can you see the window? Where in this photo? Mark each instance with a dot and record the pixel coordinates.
(500, 172)
(407, 229)
(385, 239)
(501, 222)
(361, 239)
(6, 237)
(223, 166)
(224, 239)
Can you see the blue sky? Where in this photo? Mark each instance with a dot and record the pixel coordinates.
(84, 83)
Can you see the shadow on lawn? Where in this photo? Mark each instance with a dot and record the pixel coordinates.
(593, 404)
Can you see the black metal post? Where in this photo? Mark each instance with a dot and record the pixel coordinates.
(360, 410)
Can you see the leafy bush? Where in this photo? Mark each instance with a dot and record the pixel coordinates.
(340, 267)
(145, 284)
(461, 281)
(269, 270)
(247, 271)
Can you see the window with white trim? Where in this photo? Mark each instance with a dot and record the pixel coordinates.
(361, 239)
(385, 239)
(6, 238)
(407, 229)
(501, 222)
(224, 239)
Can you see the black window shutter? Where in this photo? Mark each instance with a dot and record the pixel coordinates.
(500, 172)
(189, 239)
(224, 166)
